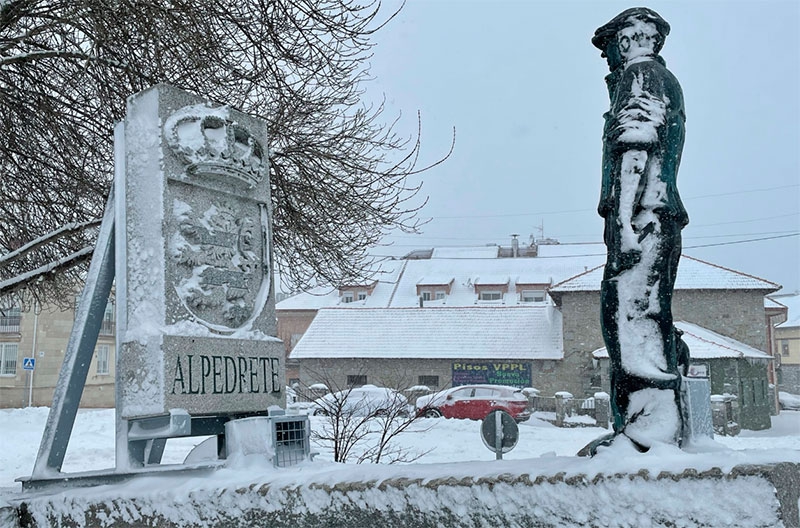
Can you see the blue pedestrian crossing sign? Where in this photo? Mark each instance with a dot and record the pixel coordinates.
(28, 363)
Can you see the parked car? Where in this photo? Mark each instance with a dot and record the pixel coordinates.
(474, 402)
(367, 400)
(789, 401)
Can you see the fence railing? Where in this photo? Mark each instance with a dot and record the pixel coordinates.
(9, 324)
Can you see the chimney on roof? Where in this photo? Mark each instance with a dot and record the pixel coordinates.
(514, 246)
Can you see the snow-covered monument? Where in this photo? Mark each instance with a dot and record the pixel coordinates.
(642, 145)
(187, 237)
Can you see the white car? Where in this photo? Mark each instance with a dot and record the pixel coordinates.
(788, 401)
(367, 400)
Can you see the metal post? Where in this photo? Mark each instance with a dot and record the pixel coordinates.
(80, 349)
(33, 350)
(498, 435)
(30, 387)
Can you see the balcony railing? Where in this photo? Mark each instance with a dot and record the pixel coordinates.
(107, 328)
(10, 324)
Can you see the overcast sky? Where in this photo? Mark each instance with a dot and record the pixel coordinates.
(523, 86)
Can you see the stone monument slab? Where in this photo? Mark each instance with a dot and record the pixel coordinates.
(696, 409)
(196, 317)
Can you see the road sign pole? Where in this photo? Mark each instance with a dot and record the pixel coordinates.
(498, 435)
(30, 387)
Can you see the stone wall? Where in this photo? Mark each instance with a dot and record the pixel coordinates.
(752, 496)
(582, 335)
(790, 379)
(53, 328)
(96, 395)
(787, 341)
(733, 313)
(293, 323)
(754, 402)
(738, 314)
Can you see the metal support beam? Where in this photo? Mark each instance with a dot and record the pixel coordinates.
(80, 349)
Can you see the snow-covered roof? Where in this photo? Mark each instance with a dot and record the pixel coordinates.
(771, 303)
(397, 286)
(491, 280)
(792, 302)
(435, 280)
(705, 344)
(326, 296)
(313, 299)
(465, 252)
(571, 250)
(693, 274)
(577, 270)
(527, 279)
(484, 332)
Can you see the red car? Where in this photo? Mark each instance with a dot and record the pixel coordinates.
(474, 402)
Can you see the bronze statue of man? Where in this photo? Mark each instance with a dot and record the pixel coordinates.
(642, 143)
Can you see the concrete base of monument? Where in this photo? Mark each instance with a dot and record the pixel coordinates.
(58, 482)
(692, 490)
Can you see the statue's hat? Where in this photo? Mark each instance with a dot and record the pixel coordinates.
(608, 30)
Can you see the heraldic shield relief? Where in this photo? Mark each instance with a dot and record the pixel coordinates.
(218, 241)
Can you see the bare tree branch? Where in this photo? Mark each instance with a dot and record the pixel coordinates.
(21, 281)
(46, 239)
(362, 426)
(340, 174)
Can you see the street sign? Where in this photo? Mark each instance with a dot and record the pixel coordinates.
(499, 432)
(28, 363)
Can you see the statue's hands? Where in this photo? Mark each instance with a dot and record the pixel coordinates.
(639, 120)
(643, 107)
(625, 260)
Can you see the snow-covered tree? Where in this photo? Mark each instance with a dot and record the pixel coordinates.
(338, 168)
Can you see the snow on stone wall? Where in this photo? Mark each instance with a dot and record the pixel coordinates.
(745, 496)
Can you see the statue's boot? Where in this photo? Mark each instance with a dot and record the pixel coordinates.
(590, 449)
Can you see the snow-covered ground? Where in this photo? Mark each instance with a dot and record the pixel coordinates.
(438, 440)
(451, 449)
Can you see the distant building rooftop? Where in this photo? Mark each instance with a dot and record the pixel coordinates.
(478, 332)
(567, 267)
(705, 344)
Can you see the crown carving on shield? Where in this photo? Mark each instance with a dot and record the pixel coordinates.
(212, 144)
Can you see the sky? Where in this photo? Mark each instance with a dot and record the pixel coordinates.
(524, 89)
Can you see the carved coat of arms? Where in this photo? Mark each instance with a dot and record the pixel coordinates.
(218, 245)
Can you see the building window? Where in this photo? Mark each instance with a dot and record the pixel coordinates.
(490, 296)
(432, 295)
(530, 296)
(432, 382)
(102, 352)
(784, 348)
(362, 296)
(347, 297)
(107, 326)
(9, 320)
(356, 380)
(8, 359)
